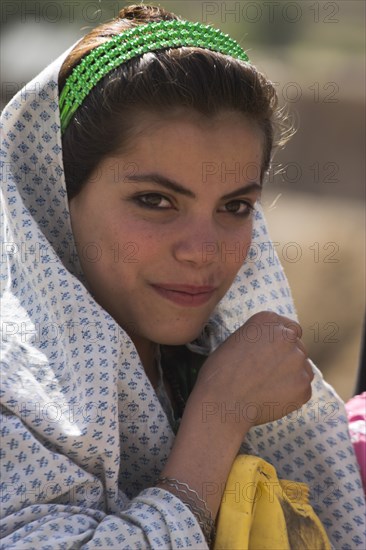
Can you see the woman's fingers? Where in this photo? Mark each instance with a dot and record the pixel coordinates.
(309, 369)
(292, 325)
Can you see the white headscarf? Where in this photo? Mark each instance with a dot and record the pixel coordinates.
(85, 436)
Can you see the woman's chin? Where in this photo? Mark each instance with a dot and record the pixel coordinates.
(177, 337)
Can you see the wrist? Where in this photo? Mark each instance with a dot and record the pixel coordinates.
(194, 502)
(203, 453)
(216, 412)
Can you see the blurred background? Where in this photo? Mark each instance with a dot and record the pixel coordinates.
(314, 194)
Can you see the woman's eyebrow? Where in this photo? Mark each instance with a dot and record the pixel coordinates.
(163, 181)
(178, 188)
(249, 188)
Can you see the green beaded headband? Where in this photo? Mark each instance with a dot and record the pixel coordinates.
(135, 42)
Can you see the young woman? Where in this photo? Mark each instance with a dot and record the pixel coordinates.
(149, 334)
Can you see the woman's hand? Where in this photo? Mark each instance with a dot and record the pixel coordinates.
(259, 374)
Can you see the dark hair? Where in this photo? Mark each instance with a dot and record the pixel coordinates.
(161, 81)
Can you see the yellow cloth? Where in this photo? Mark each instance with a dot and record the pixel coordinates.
(260, 512)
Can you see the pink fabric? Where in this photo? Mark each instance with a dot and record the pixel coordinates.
(356, 411)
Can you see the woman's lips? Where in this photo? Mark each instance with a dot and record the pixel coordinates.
(185, 295)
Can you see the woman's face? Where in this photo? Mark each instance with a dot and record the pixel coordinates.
(162, 229)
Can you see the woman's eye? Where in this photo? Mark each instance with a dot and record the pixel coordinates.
(153, 201)
(238, 208)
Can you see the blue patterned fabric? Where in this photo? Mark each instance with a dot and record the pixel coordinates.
(84, 435)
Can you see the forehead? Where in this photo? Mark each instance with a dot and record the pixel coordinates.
(182, 120)
(189, 142)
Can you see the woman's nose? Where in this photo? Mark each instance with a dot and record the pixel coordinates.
(197, 243)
